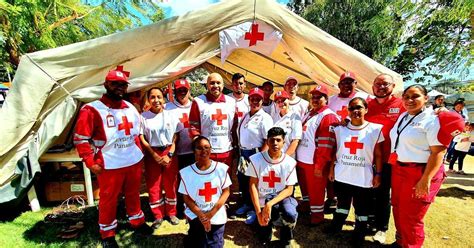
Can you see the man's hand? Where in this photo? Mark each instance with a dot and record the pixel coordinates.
(318, 172)
(96, 169)
(206, 223)
(267, 213)
(376, 181)
(331, 174)
(165, 161)
(260, 219)
(157, 158)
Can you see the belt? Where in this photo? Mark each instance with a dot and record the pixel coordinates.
(402, 164)
(161, 148)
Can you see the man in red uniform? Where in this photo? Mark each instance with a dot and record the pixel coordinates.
(213, 115)
(383, 109)
(107, 140)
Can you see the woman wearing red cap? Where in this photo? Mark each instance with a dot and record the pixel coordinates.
(161, 167)
(289, 120)
(417, 171)
(314, 152)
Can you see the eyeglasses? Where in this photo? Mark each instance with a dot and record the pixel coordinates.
(202, 148)
(385, 85)
(119, 84)
(355, 108)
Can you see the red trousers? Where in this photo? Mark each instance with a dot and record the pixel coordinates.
(225, 157)
(315, 187)
(408, 211)
(159, 178)
(112, 183)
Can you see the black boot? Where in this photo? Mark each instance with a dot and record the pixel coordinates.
(109, 242)
(358, 236)
(336, 224)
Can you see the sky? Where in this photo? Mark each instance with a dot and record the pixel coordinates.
(179, 7)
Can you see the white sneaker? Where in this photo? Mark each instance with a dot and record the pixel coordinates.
(380, 236)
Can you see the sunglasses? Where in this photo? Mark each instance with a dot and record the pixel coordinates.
(119, 84)
(355, 108)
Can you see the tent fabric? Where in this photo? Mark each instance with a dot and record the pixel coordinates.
(167, 49)
(434, 93)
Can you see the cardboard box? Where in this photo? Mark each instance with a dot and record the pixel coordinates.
(60, 191)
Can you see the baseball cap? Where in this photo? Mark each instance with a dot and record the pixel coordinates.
(347, 74)
(321, 89)
(256, 92)
(281, 94)
(451, 124)
(291, 78)
(181, 83)
(118, 74)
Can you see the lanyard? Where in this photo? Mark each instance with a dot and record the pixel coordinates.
(403, 128)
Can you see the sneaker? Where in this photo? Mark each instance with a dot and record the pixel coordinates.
(380, 236)
(251, 217)
(243, 210)
(157, 223)
(174, 220)
(461, 172)
(451, 171)
(144, 229)
(109, 242)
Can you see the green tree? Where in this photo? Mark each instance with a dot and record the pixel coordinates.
(425, 36)
(31, 25)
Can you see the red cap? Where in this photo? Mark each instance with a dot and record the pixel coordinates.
(118, 74)
(347, 74)
(451, 124)
(180, 83)
(281, 94)
(291, 78)
(256, 92)
(320, 89)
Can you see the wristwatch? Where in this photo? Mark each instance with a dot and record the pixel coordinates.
(170, 154)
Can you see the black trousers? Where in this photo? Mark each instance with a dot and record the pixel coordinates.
(360, 198)
(457, 155)
(380, 211)
(283, 212)
(198, 237)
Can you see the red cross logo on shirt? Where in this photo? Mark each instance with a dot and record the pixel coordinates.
(185, 120)
(343, 112)
(239, 114)
(271, 179)
(208, 191)
(125, 125)
(219, 117)
(353, 145)
(304, 128)
(253, 36)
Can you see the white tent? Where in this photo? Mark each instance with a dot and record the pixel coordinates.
(49, 84)
(434, 93)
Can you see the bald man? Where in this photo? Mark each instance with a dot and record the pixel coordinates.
(213, 116)
(384, 109)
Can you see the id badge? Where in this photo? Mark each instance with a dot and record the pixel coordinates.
(110, 120)
(392, 159)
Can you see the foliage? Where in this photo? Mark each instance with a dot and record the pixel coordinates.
(32, 25)
(427, 36)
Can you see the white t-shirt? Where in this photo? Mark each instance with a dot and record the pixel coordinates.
(160, 129)
(242, 106)
(415, 140)
(148, 115)
(355, 153)
(464, 146)
(339, 104)
(205, 188)
(181, 113)
(298, 105)
(291, 124)
(253, 130)
(273, 175)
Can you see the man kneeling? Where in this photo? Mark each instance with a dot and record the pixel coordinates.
(272, 178)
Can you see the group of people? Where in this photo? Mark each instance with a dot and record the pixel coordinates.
(348, 148)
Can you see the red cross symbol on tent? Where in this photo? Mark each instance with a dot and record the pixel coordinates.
(353, 145)
(343, 112)
(253, 36)
(219, 117)
(125, 125)
(185, 120)
(208, 191)
(271, 179)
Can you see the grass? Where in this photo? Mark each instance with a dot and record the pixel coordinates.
(449, 223)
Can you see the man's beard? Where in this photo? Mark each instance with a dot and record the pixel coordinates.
(114, 96)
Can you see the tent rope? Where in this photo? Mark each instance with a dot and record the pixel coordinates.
(254, 10)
